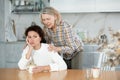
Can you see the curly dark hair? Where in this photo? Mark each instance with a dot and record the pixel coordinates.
(38, 30)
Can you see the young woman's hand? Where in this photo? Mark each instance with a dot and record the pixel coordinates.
(41, 69)
(28, 55)
(27, 42)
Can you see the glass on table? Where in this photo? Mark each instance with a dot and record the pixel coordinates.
(88, 73)
(96, 72)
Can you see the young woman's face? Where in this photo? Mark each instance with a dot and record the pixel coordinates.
(48, 20)
(33, 38)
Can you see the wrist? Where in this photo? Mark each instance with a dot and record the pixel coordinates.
(58, 49)
(28, 55)
(46, 68)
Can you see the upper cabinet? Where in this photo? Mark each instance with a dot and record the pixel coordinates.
(66, 6)
(73, 5)
(107, 5)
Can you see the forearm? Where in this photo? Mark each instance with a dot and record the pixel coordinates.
(28, 55)
(66, 49)
(23, 62)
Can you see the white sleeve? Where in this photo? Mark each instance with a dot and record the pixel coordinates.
(58, 62)
(22, 64)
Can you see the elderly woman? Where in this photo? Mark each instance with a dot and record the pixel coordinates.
(60, 33)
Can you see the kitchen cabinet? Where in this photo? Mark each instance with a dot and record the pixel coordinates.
(2, 57)
(10, 53)
(90, 58)
(107, 5)
(74, 6)
(86, 59)
(70, 6)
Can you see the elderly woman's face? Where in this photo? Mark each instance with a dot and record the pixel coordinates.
(48, 20)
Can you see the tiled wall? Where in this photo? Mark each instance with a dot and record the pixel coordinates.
(90, 22)
(93, 22)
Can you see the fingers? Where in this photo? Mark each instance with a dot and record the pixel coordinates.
(38, 69)
(51, 47)
(27, 40)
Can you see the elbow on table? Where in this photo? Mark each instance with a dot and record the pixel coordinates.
(63, 67)
(21, 67)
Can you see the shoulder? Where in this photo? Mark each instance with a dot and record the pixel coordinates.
(45, 29)
(44, 45)
(65, 26)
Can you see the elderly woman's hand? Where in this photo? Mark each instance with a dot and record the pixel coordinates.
(53, 48)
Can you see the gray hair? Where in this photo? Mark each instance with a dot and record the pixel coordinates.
(51, 11)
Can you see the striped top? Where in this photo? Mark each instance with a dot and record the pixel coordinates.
(65, 38)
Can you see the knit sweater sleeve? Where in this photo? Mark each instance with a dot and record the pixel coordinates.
(22, 64)
(58, 62)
